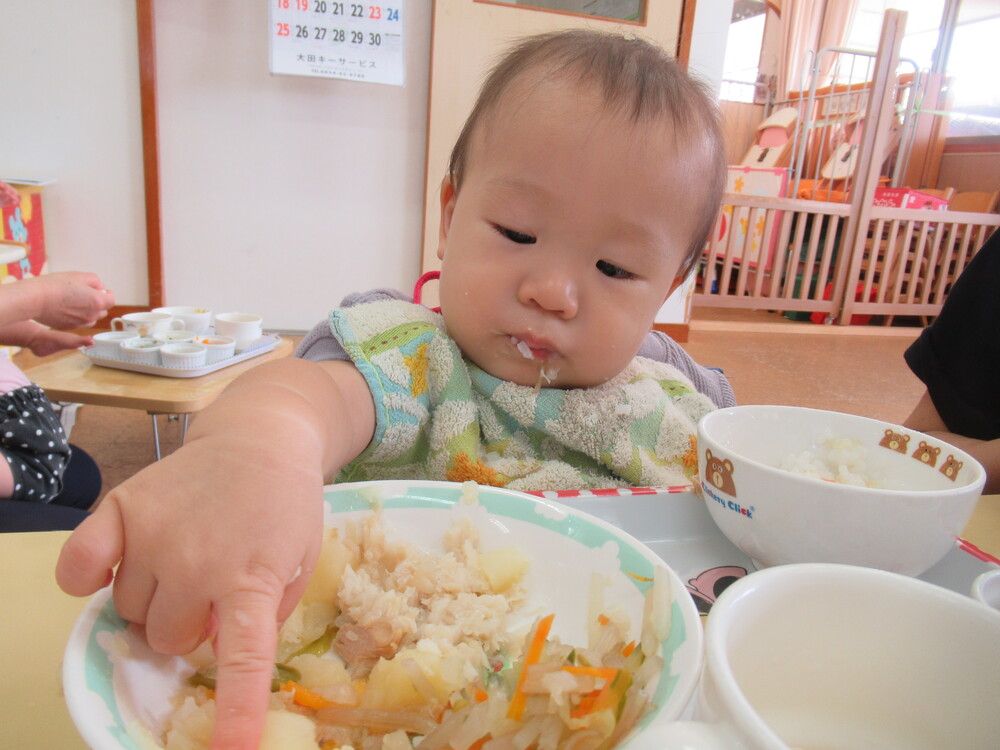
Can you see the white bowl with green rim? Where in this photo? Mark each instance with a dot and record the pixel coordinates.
(113, 698)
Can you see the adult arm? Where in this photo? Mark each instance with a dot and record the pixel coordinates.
(925, 418)
(222, 535)
(40, 340)
(69, 299)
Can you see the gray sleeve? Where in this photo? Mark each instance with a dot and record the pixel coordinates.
(320, 345)
(707, 380)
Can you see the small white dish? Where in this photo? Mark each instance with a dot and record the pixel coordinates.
(175, 337)
(108, 343)
(218, 347)
(141, 350)
(183, 355)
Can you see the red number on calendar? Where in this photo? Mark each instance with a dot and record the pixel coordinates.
(302, 4)
(283, 29)
(282, 3)
(375, 12)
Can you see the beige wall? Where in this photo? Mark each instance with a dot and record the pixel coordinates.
(970, 171)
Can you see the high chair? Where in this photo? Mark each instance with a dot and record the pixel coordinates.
(773, 146)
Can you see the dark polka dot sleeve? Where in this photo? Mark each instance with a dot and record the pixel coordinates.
(33, 443)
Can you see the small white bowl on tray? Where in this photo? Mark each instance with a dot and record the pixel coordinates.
(183, 354)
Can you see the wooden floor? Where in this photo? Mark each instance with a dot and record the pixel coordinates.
(767, 358)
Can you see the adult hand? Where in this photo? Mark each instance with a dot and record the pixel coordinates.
(69, 299)
(222, 538)
(48, 341)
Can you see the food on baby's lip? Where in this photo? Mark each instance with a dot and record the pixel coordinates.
(393, 647)
(841, 460)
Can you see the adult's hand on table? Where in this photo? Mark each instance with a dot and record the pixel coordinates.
(221, 540)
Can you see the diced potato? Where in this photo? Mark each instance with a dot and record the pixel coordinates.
(333, 557)
(503, 567)
(287, 731)
(308, 621)
(191, 727)
(325, 676)
(391, 687)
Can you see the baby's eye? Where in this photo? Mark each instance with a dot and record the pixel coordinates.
(519, 237)
(613, 271)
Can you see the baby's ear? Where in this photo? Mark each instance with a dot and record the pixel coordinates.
(448, 197)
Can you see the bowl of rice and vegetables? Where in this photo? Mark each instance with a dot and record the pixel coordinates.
(439, 616)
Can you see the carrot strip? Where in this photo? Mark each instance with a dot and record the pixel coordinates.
(303, 696)
(605, 673)
(603, 620)
(629, 648)
(481, 695)
(518, 700)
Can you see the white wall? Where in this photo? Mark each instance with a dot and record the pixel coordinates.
(708, 52)
(281, 194)
(69, 84)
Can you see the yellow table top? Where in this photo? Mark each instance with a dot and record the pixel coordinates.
(74, 378)
(37, 619)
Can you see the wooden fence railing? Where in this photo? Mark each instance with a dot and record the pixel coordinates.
(787, 254)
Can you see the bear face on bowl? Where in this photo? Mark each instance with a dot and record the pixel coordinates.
(791, 485)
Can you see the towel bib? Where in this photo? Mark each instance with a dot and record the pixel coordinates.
(439, 416)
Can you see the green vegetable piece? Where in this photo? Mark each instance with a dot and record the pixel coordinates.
(282, 673)
(320, 646)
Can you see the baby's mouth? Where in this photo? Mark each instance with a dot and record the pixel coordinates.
(528, 351)
(547, 369)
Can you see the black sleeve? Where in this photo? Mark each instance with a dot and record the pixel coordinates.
(958, 356)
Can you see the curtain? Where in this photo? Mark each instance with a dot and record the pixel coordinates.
(809, 25)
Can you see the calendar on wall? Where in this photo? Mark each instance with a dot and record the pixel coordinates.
(354, 41)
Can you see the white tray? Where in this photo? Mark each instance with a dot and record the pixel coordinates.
(262, 346)
(676, 525)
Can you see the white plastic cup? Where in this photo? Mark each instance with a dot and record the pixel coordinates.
(244, 328)
(146, 323)
(841, 656)
(195, 319)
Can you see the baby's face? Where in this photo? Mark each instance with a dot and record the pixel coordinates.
(565, 238)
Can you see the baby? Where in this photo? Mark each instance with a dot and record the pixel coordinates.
(578, 198)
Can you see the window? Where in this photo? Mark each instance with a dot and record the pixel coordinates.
(975, 90)
(743, 44)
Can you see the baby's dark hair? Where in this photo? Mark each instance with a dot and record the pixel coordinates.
(637, 78)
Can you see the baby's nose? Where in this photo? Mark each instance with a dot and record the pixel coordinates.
(552, 290)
